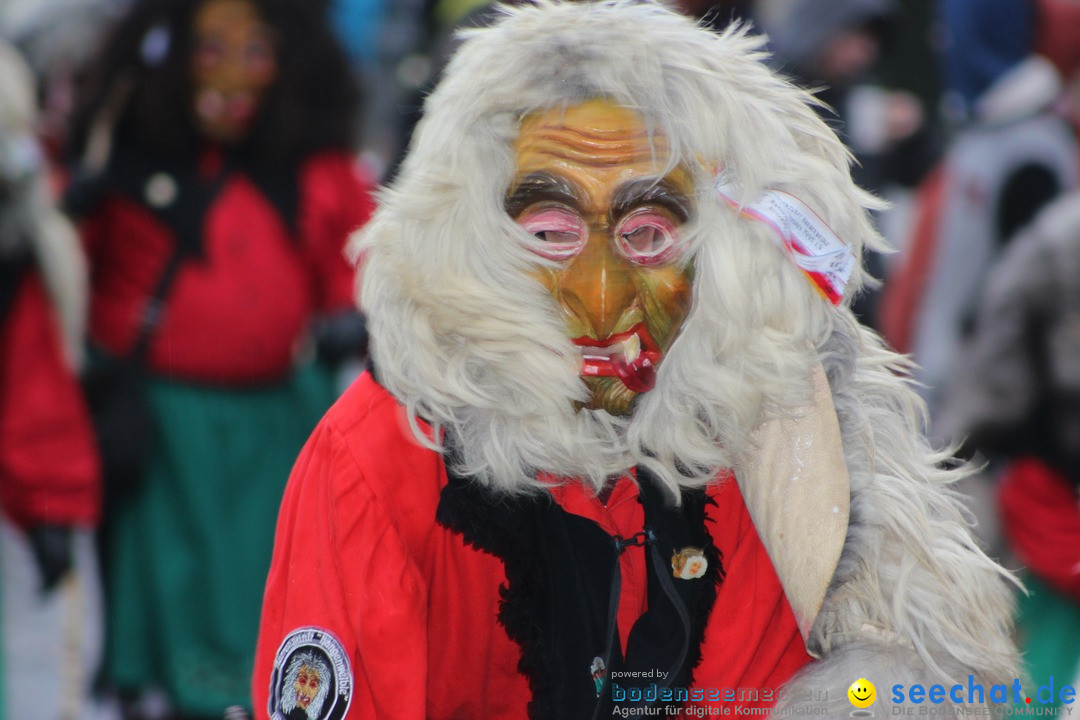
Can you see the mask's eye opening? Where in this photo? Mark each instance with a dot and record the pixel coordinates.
(647, 237)
(559, 233)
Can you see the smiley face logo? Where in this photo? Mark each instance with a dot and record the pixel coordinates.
(862, 693)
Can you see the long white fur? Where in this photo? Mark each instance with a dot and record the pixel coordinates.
(468, 342)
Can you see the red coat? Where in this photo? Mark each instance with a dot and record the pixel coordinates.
(407, 609)
(236, 313)
(49, 471)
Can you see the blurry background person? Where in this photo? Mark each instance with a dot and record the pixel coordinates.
(49, 477)
(1016, 398)
(837, 50)
(1018, 402)
(1009, 152)
(215, 138)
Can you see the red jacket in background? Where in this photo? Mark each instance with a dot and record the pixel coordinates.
(1041, 517)
(49, 468)
(236, 312)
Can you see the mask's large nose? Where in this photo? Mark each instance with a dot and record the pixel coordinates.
(597, 287)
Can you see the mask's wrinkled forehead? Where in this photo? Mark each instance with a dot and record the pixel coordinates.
(583, 134)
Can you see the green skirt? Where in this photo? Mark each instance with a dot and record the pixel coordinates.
(187, 557)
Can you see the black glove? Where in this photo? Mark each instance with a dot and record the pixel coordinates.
(53, 551)
(340, 336)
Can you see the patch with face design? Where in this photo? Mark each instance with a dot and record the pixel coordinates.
(312, 678)
(593, 189)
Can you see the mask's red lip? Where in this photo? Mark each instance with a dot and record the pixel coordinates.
(608, 357)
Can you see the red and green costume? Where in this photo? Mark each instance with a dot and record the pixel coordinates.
(231, 394)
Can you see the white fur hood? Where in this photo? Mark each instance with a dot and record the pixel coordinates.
(461, 335)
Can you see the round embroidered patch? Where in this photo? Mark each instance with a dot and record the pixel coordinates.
(312, 678)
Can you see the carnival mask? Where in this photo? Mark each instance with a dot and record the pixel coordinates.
(233, 63)
(589, 188)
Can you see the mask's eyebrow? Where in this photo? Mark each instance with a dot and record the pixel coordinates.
(539, 186)
(651, 191)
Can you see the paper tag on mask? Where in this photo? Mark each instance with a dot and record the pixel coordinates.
(809, 241)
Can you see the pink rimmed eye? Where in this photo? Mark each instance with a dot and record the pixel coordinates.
(647, 237)
(561, 233)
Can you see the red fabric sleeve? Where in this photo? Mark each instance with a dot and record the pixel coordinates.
(49, 468)
(341, 567)
(1041, 517)
(337, 201)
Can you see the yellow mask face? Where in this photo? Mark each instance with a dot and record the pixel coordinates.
(589, 187)
(233, 63)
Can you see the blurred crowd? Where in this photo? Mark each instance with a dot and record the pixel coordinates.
(178, 180)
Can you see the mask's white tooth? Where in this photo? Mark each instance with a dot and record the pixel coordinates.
(632, 348)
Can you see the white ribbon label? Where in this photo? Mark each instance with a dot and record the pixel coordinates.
(809, 241)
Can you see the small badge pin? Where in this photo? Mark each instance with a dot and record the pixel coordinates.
(689, 563)
(160, 191)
